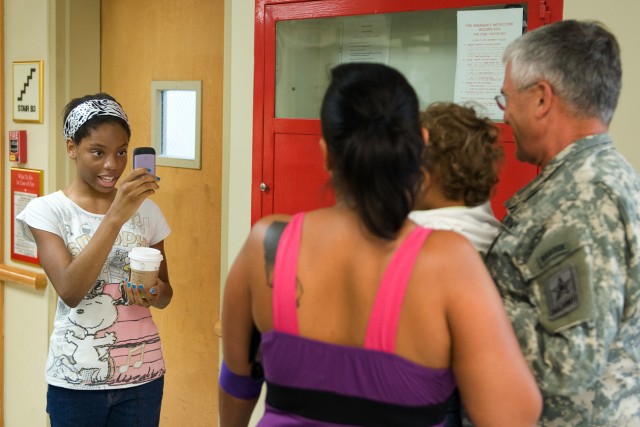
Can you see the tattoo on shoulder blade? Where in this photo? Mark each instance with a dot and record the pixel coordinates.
(299, 292)
(271, 239)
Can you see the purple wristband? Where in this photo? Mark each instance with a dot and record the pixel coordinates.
(239, 386)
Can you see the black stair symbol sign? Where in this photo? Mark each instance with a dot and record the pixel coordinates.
(26, 85)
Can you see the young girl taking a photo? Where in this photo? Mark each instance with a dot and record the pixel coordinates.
(105, 364)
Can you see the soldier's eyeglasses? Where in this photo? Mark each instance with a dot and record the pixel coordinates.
(501, 99)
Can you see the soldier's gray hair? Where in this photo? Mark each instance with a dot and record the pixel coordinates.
(579, 59)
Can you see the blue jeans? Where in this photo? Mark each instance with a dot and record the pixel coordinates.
(137, 406)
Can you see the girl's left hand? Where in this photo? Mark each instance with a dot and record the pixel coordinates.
(139, 295)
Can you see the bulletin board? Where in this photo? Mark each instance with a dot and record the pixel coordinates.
(26, 185)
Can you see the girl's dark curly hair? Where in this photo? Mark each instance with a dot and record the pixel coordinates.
(463, 152)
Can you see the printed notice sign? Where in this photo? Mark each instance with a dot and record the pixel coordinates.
(366, 39)
(28, 91)
(26, 185)
(483, 36)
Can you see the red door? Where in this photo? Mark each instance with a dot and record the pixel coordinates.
(288, 174)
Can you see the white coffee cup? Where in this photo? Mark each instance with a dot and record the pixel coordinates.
(145, 265)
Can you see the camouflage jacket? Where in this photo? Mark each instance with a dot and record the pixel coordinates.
(567, 264)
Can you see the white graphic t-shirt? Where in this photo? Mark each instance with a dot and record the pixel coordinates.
(102, 343)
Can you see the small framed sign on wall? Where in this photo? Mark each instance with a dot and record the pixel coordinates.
(28, 91)
(26, 185)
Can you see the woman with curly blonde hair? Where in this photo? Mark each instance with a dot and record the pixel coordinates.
(461, 164)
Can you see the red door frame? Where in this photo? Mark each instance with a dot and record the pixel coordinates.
(266, 125)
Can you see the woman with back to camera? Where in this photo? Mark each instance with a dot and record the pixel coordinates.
(366, 318)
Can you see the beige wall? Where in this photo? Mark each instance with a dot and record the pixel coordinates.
(27, 312)
(620, 17)
(33, 33)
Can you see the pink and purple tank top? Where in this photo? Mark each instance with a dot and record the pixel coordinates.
(314, 383)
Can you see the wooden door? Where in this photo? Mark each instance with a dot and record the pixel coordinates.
(283, 179)
(147, 40)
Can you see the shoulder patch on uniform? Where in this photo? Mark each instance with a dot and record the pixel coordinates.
(562, 292)
(552, 252)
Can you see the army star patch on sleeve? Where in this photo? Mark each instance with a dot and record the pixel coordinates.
(562, 292)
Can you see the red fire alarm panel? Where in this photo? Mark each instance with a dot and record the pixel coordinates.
(18, 146)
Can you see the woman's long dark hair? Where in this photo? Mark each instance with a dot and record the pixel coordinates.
(371, 122)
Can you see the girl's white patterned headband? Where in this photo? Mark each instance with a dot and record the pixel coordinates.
(88, 110)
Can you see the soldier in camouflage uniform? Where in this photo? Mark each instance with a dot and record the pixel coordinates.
(567, 259)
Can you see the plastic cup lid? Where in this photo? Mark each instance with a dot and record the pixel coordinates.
(145, 254)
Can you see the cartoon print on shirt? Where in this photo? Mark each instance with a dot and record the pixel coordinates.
(68, 231)
(104, 342)
(121, 262)
(93, 363)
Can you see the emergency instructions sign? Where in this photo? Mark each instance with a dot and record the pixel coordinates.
(26, 185)
(28, 89)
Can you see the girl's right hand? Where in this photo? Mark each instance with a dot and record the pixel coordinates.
(132, 190)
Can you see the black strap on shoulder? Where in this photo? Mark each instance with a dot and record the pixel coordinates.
(271, 239)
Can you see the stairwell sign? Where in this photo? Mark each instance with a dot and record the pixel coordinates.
(28, 91)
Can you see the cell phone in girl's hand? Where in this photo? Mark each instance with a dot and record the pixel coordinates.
(145, 157)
